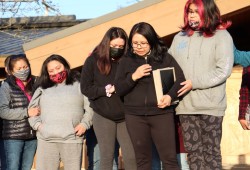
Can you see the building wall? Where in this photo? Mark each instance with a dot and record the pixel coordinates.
(77, 42)
(235, 144)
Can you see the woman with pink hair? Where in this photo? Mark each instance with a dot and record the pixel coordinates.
(204, 50)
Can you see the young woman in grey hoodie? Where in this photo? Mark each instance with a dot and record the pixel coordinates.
(64, 116)
(204, 50)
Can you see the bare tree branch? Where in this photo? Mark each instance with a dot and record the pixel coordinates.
(20, 8)
(17, 9)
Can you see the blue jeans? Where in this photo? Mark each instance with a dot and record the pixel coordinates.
(19, 154)
(93, 151)
(157, 165)
(156, 162)
(182, 161)
(2, 156)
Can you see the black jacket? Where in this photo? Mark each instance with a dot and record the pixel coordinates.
(93, 86)
(17, 129)
(1, 121)
(140, 96)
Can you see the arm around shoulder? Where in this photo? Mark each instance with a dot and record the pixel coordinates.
(241, 57)
(35, 121)
(88, 87)
(123, 80)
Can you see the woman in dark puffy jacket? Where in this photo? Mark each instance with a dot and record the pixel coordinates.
(15, 93)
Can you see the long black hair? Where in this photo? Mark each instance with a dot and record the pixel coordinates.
(157, 46)
(44, 79)
(102, 50)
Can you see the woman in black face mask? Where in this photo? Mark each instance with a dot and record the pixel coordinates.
(97, 78)
(116, 52)
(15, 93)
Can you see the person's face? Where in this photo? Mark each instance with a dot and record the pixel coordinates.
(193, 14)
(117, 43)
(140, 45)
(54, 67)
(20, 65)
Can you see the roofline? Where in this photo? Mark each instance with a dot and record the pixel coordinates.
(88, 24)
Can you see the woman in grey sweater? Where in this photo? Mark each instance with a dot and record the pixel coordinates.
(204, 50)
(65, 116)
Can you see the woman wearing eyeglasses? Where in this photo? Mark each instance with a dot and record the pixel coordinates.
(15, 93)
(97, 79)
(148, 121)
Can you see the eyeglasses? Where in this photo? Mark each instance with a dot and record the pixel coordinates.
(142, 44)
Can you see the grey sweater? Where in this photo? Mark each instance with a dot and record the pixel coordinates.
(63, 107)
(207, 62)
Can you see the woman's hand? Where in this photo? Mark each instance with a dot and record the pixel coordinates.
(112, 89)
(39, 127)
(80, 130)
(244, 124)
(165, 101)
(35, 111)
(143, 70)
(109, 90)
(187, 86)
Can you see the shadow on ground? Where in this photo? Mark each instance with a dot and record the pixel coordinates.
(243, 164)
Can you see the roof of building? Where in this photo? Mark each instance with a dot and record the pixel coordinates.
(11, 40)
(14, 32)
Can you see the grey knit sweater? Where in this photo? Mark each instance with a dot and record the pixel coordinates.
(207, 62)
(63, 107)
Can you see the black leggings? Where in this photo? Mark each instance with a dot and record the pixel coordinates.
(160, 129)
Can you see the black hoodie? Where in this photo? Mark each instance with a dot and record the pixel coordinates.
(93, 86)
(140, 96)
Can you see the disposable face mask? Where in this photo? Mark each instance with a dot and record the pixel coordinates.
(116, 52)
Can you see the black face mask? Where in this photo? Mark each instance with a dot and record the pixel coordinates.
(116, 52)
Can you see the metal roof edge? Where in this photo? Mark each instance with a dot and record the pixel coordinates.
(88, 24)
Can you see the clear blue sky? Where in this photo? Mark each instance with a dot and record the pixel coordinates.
(84, 9)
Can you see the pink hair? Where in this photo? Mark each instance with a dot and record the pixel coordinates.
(209, 24)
